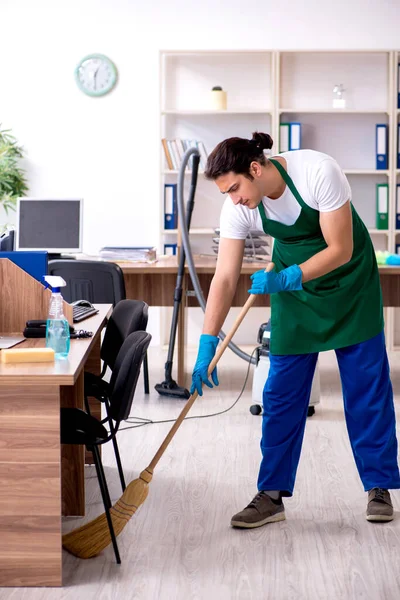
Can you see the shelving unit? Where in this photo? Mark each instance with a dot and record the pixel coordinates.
(266, 88)
(186, 82)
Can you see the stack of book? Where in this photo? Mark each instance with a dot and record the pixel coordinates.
(129, 254)
(175, 149)
(257, 245)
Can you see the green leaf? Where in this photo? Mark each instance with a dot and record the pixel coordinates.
(13, 182)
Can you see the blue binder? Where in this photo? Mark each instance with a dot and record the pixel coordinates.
(294, 136)
(34, 262)
(170, 206)
(398, 85)
(381, 147)
(170, 249)
(398, 206)
(398, 146)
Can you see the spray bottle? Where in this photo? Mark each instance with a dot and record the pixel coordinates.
(57, 328)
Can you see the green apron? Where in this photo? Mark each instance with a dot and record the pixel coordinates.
(341, 308)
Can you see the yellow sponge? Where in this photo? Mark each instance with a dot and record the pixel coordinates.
(19, 355)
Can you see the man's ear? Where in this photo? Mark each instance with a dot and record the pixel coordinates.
(255, 169)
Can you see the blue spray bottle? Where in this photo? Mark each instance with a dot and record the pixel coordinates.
(57, 327)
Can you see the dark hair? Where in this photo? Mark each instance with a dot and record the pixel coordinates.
(236, 154)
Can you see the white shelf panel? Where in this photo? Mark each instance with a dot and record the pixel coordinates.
(193, 231)
(345, 171)
(365, 172)
(215, 52)
(202, 231)
(344, 111)
(174, 172)
(242, 111)
(210, 231)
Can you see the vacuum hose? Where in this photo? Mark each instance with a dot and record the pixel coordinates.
(189, 255)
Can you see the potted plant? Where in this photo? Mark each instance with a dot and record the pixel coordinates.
(12, 176)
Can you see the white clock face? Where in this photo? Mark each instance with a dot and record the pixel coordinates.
(96, 75)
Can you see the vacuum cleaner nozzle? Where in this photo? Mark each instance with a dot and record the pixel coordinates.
(172, 389)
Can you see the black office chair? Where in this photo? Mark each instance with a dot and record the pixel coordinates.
(128, 316)
(79, 427)
(99, 282)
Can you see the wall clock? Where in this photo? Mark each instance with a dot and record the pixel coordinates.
(96, 75)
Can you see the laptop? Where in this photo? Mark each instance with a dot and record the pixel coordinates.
(8, 341)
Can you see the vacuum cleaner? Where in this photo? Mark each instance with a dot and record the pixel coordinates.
(262, 369)
(169, 387)
(189, 255)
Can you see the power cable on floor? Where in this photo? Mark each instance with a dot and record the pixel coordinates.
(143, 422)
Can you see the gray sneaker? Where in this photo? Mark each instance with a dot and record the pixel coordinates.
(379, 507)
(261, 510)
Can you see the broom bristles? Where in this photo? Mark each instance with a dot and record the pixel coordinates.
(91, 539)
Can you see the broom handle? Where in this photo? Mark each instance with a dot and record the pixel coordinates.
(189, 403)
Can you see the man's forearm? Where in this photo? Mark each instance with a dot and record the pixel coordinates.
(219, 302)
(324, 262)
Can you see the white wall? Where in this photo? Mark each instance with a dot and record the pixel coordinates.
(107, 149)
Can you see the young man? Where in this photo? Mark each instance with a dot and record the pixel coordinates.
(325, 295)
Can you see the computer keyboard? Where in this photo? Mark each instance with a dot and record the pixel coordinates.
(83, 312)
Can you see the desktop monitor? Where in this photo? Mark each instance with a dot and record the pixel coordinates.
(7, 241)
(49, 224)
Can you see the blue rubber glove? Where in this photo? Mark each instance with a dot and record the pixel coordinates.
(270, 283)
(207, 348)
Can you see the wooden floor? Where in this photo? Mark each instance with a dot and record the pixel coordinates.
(179, 545)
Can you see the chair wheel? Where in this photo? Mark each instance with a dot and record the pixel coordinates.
(310, 411)
(255, 409)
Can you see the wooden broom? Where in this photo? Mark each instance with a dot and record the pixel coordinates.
(90, 539)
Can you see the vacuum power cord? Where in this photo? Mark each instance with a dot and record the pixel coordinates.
(140, 422)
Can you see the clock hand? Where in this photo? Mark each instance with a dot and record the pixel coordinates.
(95, 77)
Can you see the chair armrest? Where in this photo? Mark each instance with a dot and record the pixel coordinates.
(97, 387)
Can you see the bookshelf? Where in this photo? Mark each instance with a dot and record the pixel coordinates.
(266, 88)
(186, 82)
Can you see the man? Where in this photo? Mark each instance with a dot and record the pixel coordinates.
(325, 295)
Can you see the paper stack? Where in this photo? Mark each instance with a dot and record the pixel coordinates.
(129, 254)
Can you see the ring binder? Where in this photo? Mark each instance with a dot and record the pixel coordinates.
(381, 147)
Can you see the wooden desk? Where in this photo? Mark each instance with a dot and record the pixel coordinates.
(36, 478)
(155, 284)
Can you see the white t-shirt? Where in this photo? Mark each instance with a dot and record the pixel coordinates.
(319, 180)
